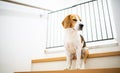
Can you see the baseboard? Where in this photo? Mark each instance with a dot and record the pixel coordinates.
(95, 55)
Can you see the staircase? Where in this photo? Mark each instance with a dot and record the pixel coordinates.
(102, 59)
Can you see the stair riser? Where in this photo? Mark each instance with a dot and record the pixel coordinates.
(103, 62)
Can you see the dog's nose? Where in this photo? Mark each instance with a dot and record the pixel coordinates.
(81, 26)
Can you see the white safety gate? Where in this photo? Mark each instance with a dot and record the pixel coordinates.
(95, 15)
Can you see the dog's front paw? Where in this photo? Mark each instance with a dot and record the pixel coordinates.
(67, 68)
(83, 65)
(78, 67)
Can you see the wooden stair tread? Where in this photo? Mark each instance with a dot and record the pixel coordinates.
(101, 70)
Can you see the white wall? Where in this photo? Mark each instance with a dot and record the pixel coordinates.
(22, 37)
(115, 4)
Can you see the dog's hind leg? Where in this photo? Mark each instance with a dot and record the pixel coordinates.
(86, 53)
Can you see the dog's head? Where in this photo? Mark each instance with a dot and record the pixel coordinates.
(72, 21)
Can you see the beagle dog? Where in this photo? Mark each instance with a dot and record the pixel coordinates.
(74, 41)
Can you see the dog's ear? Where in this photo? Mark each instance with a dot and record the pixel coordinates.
(63, 23)
(67, 22)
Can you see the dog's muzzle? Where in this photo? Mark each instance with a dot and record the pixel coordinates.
(81, 26)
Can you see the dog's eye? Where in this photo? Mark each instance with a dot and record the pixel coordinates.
(74, 20)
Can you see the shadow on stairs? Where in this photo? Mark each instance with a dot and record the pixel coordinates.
(101, 70)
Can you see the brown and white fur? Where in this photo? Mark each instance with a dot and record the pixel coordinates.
(74, 41)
